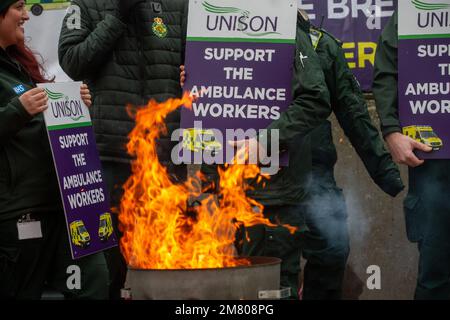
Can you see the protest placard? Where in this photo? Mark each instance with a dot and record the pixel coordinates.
(424, 74)
(77, 163)
(239, 63)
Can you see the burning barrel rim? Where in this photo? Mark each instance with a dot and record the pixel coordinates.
(255, 262)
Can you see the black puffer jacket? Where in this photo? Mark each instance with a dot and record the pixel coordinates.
(125, 63)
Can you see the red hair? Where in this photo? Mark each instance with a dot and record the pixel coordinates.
(26, 58)
(28, 61)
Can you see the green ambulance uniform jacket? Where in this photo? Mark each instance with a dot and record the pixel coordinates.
(28, 180)
(385, 81)
(310, 107)
(350, 108)
(126, 63)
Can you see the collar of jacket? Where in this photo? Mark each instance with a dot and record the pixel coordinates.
(6, 59)
(3, 54)
(303, 24)
(10, 64)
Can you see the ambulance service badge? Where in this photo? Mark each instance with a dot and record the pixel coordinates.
(159, 28)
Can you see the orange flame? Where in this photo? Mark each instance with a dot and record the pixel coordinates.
(159, 232)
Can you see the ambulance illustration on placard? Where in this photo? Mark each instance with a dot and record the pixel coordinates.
(38, 6)
(425, 135)
(201, 139)
(105, 229)
(79, 235)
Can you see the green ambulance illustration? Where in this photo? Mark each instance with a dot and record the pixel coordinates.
(38, 6)
(425, 135)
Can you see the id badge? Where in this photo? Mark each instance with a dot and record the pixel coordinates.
(29, 229)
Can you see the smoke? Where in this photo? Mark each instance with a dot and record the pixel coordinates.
(330, 215)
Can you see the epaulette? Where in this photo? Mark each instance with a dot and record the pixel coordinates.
(323, 31)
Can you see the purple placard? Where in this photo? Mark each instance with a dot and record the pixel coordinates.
(358, 24)
(82, 186)
(274, 74)
(83, 205)
(424, 104)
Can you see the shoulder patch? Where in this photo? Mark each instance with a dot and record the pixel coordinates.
(159, 28)
(19, 89)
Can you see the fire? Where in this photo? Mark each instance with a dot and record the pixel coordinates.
(159, 230)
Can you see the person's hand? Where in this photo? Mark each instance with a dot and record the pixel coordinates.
(182, 75)
(34, 101)
(402, 149)
(86, 95)
(126, 7)
(248, 151)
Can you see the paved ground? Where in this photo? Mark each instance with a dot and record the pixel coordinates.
(377, 229)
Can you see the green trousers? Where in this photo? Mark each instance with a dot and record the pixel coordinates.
(116, 174)
(327, 243)
(26, 266)
(278, 242)
(427, 213)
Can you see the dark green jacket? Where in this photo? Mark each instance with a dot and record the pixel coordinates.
(27, 177)
(310, 107)
(350, 108)
(385, 81)
(125, 63)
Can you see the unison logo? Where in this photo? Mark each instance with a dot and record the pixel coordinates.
(64, 108)
(422, 5)
(436, 15)
(235, 19)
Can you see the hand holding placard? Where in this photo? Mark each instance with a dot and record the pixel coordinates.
(34, 101)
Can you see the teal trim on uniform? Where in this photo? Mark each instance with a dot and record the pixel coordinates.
(69, 126)
(207, 39)
(425, 36)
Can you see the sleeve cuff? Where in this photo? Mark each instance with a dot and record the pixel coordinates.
(392, 186)
(24, 115)
(391, 129)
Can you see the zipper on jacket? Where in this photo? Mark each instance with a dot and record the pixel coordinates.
(141, 57)
(5, 168)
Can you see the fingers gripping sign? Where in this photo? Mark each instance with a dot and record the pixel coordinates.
(34, 101)
(182, 75)
(402, 149)
(86, 95)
